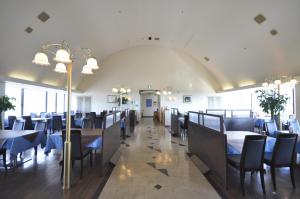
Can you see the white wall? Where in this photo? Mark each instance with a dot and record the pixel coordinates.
(137, 68)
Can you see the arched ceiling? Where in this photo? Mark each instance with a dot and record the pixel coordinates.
(240, 51)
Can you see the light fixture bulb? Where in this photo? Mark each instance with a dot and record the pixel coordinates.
(92, 63)
(62, 56)
(293, 81)
(169, 92)
(41, 59)
(157, 92)
(265, 84)
(60, 68)
(86, 70)
(277, 82)
(128, 90)
(165, 92)
(115, 90)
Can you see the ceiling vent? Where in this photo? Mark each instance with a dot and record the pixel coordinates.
(273, 32)
(43, 16)
(260, 19)
(157, 38)
(28, 30)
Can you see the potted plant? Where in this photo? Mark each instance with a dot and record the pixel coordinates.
(5, 105)
(272, 103)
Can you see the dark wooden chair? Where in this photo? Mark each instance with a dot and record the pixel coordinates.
(77, 151)
(87, 123)
(93, 116)
(251, 159)
(11, 120)
(3, 153)
(98, 122)
(56, 123)
(28, 123)
(283, 155)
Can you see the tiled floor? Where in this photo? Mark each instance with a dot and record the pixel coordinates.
(154, 165)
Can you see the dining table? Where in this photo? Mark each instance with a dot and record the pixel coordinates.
(19, 141)
(90, 138)
(235, 141)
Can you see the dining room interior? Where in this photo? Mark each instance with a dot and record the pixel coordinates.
(146, 99)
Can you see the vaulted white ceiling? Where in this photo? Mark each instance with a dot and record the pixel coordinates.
(241, 52)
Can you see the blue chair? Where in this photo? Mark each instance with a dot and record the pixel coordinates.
(271, 128)
(294, 126)
(18, 125)
(283, 155)
(251, 159)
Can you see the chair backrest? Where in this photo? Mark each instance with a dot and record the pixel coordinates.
(28, 123)
(43, 114)
(284, 149)
(40, 126)
(33, 115)
(76, 149)
(78, 115)
(271, 127)
(98, 122)
(294, 126)
(11, 120)
(86, 123)
(88, 115)
(253, 152)
(65, 115)
(56, 122)
(18, 125)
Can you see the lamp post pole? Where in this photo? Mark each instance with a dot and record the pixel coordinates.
(67, 144)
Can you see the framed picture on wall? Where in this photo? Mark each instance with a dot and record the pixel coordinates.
(112, 98)
(187, 99)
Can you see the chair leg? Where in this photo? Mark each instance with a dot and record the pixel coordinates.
(242, 179)
(4, 161)
(262, 179)
(81, 168)
(292, 176)
(35, 150)
(273, 174)
(91, 158)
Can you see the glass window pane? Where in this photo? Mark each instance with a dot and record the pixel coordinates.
(51, 102)
(34, 101)
(12, 90)
(60, 102)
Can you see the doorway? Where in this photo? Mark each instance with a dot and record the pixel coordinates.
(150, 102)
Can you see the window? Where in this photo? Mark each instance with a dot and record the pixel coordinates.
(34, 101)
(60, 102)
(12, 90)
(51, 100)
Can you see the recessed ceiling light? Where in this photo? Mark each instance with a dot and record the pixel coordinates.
(43, 16)
(206, 58)
(260, 19)
(119, 11)
(28, 30)
(149, 38)
(273, 32)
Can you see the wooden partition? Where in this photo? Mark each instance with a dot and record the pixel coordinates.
(174, 122)
(110, 141)
(208, 142)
